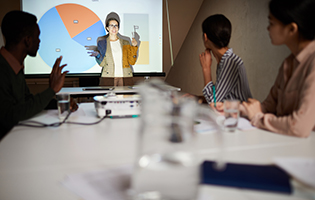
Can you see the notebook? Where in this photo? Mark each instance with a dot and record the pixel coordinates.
(258, 177)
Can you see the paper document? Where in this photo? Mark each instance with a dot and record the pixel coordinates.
(303, 169)
(109, 184)
(244, 124)
(101, 185)
(204, 126)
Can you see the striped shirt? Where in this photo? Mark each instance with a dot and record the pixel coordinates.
(231, 80)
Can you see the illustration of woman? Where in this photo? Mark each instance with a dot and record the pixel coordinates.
(115, 55)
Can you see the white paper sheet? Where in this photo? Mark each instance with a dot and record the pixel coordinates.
(244, 124)
(303, 169)
(204, 126)
(109, 184)
(101, 185)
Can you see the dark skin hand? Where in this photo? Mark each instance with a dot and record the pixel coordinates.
(56, 78)
(73, 105)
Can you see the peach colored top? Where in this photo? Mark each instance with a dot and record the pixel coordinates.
(290, 106)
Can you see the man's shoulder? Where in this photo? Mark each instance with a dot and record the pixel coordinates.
(4, 66)
(2, 60)
(6, 74)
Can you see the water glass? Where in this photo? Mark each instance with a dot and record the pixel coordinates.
(63, 103)
(231, 113)
(166, 166)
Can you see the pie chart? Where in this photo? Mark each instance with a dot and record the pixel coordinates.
(65, 30)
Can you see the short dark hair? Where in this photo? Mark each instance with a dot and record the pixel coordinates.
(16, 25)
(301, 12)
(218, 30)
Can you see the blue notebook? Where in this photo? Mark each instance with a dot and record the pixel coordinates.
(259, 177)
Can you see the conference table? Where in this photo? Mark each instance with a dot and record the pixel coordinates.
(97, 90)
(35, 161)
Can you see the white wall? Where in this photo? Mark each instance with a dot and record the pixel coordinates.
(249, 40)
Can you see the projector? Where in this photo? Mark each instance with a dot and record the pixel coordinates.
(119, 105)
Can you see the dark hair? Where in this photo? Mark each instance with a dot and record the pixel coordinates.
(218, 30)
(16, 25)
(110, 19)
(301, 12)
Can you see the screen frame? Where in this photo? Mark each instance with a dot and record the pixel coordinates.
(80, 75)
(93, 75)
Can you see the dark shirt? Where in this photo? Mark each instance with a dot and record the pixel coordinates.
(16, 101)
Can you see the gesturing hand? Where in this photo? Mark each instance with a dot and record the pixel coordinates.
(73, 105)
(134, 42)
(56, 78)
(93, 53)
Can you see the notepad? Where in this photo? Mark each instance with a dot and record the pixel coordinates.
(258, 177)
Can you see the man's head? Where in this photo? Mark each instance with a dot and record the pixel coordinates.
(18, 26)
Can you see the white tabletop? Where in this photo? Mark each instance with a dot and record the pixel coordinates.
(33, 161)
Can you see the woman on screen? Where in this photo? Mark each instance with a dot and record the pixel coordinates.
(290, 106)
(116, 55)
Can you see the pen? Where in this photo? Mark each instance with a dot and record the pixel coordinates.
(123, 116)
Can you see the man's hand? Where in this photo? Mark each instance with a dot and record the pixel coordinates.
(73, 105)
(252, 107)
(56, 78)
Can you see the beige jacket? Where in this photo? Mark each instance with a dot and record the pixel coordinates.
(290, 106)
(129, 56)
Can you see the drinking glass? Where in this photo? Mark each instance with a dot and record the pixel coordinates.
(231, 113)
(63, 103)
(166, 166)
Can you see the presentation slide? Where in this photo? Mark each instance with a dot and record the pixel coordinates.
(68, 26)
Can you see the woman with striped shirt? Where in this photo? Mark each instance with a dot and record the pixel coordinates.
(231, 76)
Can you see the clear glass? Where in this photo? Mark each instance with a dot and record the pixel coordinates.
(166, 165)
(63, 104)
(231, 113)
